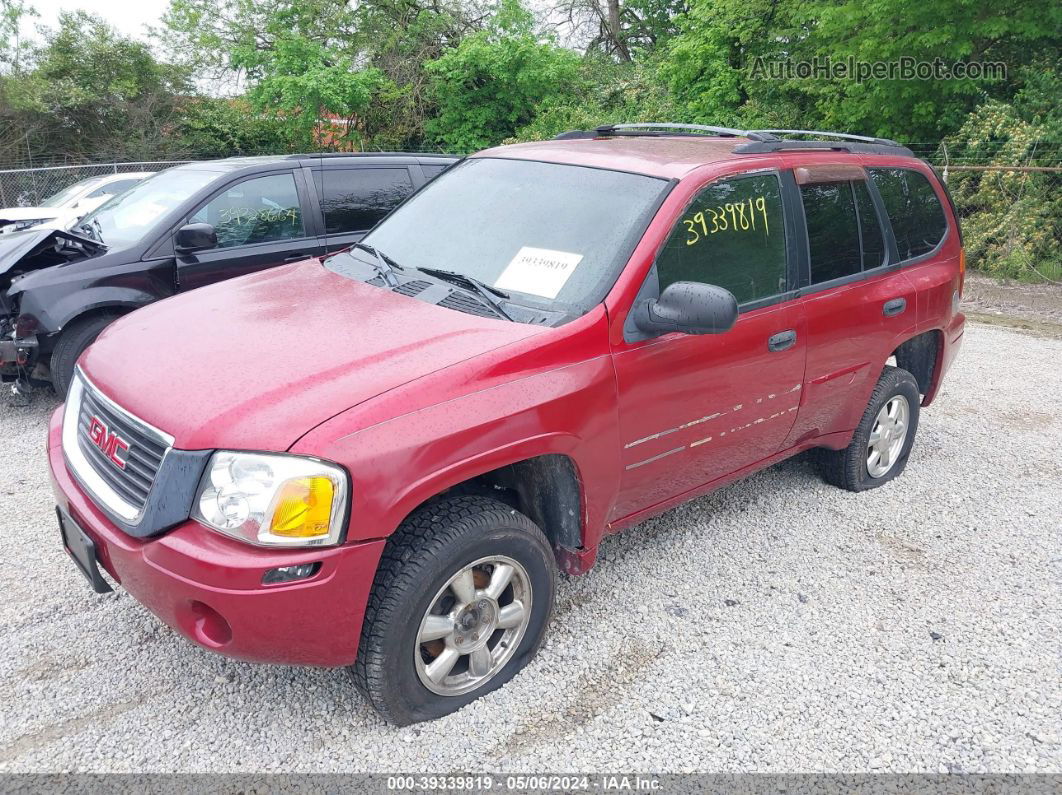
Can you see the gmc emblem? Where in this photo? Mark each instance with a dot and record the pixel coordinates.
(111, 444)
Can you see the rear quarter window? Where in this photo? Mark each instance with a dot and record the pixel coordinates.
(917, 217)
(355, 199)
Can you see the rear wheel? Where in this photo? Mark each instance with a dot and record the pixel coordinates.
(883, 439)
(459, 605)
(73, 341)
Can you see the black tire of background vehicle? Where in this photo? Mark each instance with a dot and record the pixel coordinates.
(72, 343)
(428, 548)
(847, 468)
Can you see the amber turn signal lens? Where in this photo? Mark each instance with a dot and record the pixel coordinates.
(303, 508)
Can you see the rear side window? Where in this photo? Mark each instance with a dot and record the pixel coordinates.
(912, 205)
(844, 234)
(434, 171)
(732, 235)
(355, 199)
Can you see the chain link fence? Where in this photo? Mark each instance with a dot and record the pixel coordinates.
(28, 187)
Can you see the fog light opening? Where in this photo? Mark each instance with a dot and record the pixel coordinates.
(290, 573)
(208, 625)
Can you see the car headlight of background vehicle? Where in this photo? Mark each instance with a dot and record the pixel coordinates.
(273, 500)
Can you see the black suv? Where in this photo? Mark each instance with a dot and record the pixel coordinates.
(181, 229)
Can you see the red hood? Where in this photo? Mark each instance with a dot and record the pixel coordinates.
(256, 362)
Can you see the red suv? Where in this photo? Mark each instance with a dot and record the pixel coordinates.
(379, 459)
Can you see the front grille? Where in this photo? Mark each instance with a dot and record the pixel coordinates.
(142, 458)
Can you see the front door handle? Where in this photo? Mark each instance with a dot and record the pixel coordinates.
(894, 307)
(782, 340)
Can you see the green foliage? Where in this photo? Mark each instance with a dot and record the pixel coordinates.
(952, 30)
(612, 94)
(1012, 221)
(495, 80)
(12, 15)
(711, 65)
(91, 90)
(208, 128)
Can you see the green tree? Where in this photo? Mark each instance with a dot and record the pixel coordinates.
(90, 92)
(314, 59)
(1012, 220)
(12, 15)
(208, 127)
(711, 65)
(496, 80)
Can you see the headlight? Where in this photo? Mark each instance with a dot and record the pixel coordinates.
(273, 500)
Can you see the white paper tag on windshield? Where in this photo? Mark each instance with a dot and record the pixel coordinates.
(538, 271)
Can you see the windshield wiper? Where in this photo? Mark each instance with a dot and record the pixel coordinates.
(95, 231)
(385, 266)
(487, 292)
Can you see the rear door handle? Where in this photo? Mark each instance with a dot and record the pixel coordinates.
(894, 307)
(782, 340)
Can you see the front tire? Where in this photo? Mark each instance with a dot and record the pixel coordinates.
(883, 439)
(459, 605)
(73, 341)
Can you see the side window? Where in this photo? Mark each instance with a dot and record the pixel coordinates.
(732, 235)
(113, 188)
(844, 234)
(433, 171)
(912, 205)
(872, 242)
(355, 199)
(258, 210)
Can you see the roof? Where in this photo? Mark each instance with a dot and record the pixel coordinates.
(670, 157)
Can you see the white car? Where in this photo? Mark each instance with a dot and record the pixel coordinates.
(69, 205)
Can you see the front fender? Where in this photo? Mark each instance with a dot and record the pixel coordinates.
(93, 299)
(400, 463)
(57, 296)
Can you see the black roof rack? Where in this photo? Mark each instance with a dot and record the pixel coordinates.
(845, 142)
(759, 141)
(664, 128)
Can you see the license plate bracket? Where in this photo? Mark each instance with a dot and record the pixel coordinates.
(82, 551)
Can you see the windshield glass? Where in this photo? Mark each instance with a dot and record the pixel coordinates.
(545, 233)
(127, 217)
(65, 195)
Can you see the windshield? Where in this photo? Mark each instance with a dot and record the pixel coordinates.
(545, 233)
(127, 217)
(65, 195)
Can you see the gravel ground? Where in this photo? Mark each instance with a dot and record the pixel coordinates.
(778, 625)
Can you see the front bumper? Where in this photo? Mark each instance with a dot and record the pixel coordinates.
(209, 587)
(17, 356)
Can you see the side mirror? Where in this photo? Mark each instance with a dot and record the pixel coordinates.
(689, 308)
(195, 237)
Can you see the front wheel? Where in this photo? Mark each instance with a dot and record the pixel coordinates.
(73, 341)
(459, 605)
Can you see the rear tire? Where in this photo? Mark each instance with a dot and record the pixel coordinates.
(73, 341)
(878, 452)
(441, 627)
